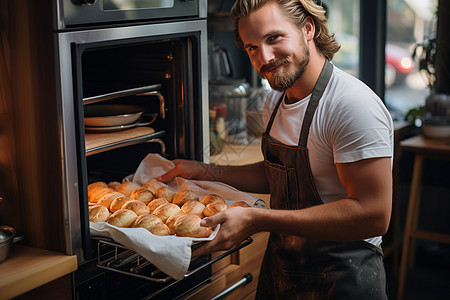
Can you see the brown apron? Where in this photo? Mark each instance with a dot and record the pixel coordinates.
(299, 268)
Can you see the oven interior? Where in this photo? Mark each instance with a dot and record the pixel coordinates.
(162, 76)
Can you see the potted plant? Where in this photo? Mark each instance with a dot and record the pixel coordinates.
(425, 52)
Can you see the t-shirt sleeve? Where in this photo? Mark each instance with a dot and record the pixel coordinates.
(360, 128)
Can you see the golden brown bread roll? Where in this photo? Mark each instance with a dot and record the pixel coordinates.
(212, 198)
(98, 192)
(152, 223)
(118, 203)
(165, 192)
(114, 185)
(128, 187)
(189, 225)
(155, 203)
(137, 206)
(240, 204)
(183, 196)
(96, 184)
(142, 194)
(161, 230)
(122, 218)
(107, 199)
(166, 210)
(214, 208)
(153, 185)
(193, 207)
(170, 222)
(98, 213)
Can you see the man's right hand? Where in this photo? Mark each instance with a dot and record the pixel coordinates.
(188, 169)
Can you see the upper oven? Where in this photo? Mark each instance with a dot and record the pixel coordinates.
(76, 13)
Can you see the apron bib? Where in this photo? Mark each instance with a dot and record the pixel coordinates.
(299, 268)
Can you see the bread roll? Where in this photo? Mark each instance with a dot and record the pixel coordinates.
(137, 206)
(98, 213)
(189, 225)
(214, 208)
(118, 203)
(240, 204)
(193, 207)
(183, 196)
(122, 218)
(153, 185)
(212, 198)
(165, 192)
(142, 194)
(152, 223)
(96, 184)
(161, 230)
(98, 192)
(166, 210)
(128, 187)
(107, 199)
(170, 222)
(114, 185)
(155, 203)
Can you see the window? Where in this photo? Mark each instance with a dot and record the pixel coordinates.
(343, 21)
(409, 23)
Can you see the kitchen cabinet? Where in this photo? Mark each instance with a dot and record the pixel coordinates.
(28, 268)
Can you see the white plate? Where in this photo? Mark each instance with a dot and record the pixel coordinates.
(141, 122)
(111, 115)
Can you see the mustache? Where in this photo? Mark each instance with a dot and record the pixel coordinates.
(273, 64)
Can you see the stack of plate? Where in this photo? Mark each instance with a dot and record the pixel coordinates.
(111, 117)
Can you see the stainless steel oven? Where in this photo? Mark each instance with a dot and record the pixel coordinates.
(77, 13)
(152, 54)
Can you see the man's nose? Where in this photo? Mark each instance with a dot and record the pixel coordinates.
(266, 54)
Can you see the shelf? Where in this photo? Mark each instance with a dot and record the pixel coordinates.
(27, 268)
(100, 142)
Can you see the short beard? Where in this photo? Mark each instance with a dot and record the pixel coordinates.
(281, 81)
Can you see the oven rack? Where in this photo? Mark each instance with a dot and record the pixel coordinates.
(149, 90)
(100, 142)
(125, 261)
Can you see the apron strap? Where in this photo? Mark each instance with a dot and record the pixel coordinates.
(274, 113)
(317, 93)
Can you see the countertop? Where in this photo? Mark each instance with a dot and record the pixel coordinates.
(238, 154)
(27, 268)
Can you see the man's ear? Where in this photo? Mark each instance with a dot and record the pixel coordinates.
(309, 29)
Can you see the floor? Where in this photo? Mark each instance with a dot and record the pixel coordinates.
(430, 277)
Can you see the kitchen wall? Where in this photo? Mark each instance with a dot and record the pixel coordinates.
(31, 160)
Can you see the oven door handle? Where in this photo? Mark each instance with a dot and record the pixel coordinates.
(246, 279)
(242, 245)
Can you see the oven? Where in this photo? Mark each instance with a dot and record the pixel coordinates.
(147, 53)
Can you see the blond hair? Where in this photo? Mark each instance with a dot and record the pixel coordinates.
(296, 11)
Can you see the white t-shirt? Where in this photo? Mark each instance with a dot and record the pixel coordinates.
(351, 123)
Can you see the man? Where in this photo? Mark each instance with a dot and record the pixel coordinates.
(327, 148)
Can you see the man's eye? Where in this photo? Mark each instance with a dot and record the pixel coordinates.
(251, 48)
(273, 38)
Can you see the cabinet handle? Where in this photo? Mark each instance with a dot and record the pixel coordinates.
(246, 279)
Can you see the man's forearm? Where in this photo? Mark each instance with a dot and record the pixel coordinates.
(249, 178)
